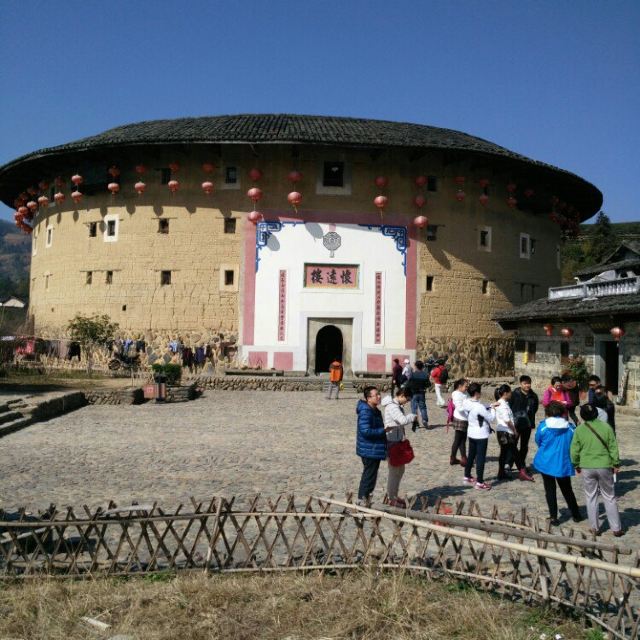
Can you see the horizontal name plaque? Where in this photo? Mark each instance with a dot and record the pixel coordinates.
(331, 276)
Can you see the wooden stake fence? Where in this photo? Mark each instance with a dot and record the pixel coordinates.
(514, 557)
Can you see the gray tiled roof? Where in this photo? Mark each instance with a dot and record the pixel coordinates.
(293, 129)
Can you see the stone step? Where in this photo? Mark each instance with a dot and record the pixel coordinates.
(15, 425)
(5, 407)
(9, 416)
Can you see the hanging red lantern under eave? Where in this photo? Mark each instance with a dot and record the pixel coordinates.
(511, 187)
(77, 179)
(421, 181)
(23, 211)
(617, 333)
(113, 171)
(174, 166)
(381, 202)
(32, 205)
(59, 197)
(140, 169)
(381, 181)
(207, 187)
(512, 202)
(76, 196)
(483, 182)
(208, 167)
(419, 201)
(59, 182)
(460, 195)
(459, 180)
(114, 187)
(484, 199)
(255, 194)
(255, 174)
(421, 221)
(548, 329)
(140, 187)
(529, 193)
(43, 185)
(294, 177)
(173, 185)
(294, 198)
(566, 332)
(255, 217)
(43, 202)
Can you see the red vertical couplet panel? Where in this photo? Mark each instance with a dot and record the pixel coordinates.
(282, 305)
(378, 309)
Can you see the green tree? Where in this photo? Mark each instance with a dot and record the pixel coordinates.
(602, 241)
(92, 332)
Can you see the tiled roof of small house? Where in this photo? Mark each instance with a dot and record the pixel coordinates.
(295, 129)
(545, 309)
(594, 270)
(625, 247)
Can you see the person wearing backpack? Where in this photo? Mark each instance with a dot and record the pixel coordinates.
(440, 375)
(595, 455)
(335, 378)
(458, 416)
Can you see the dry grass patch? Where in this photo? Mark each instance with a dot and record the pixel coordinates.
(292, 606)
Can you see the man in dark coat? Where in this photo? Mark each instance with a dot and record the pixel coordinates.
(371, 442)
(524, 404)
(396, 376)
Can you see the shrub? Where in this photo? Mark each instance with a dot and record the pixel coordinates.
(578, 369)
(172, 371)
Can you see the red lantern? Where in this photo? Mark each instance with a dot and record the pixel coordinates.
(294, 198)
(114, 187)
(255, 217)
(548, 329)
(43, 202)
(59, 182)
(483, 182)
(18, 217)
(174, 166)
(140, 187)
(32, 191)
(114, 172)
(528, 193)
(23, 211)
(617, 333)
(59, 197)
(173, 185)
(208, 167)
(76, 196)
(419, 201)
(294, 176)
(460, 195)
(381, 202)
(511, 187)
(566, 332)
(140, 169)
(255, 174)
(421, 221)
(381, 182)
(77, 179)
(43, 185)
(484, 199)
(421, 181)
(207, 187)
(459, 180)
(32, 205)
(512, 202)
(255, 194)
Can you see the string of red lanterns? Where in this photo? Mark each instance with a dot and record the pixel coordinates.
(381, 200)
(460, 194)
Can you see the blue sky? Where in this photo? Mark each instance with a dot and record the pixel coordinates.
(555, 80)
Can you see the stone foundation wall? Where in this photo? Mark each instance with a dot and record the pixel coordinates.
(470, 357)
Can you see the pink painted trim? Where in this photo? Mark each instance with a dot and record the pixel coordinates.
(258, 358)
(336, 217)
(376, 362)
(283, 360)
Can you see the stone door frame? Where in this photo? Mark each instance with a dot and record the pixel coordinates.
(351, 328)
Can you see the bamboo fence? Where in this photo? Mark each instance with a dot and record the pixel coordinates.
(513, 556)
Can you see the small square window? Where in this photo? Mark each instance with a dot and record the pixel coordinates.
(111, 228)
(564, 352)
(228, 277)
(485, 287)
(231, 175)
(432, 183)
(333, 174)
(93, 229)
(532, 246)
(124, 307)
(163, 225)
(165, 175)
(229, 225)
(432, 232)
(109, 277)
(525, 247)
(429, 283)
(531, 350)
(165, 277)
(89, 277)
(484, 238)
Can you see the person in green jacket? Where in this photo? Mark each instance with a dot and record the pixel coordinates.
(594, 454)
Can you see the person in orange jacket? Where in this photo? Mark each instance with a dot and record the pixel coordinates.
(335, 378)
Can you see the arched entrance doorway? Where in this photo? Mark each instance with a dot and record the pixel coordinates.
(329, 347)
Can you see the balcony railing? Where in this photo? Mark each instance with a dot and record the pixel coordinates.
(619, 287)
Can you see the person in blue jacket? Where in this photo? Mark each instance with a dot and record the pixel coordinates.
(553, 459)
(371, 442)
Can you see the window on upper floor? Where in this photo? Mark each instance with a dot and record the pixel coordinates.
(432, 183)
(49, 237)
(333, 178)
(525, 246)
(485, 287)
(165, 175)
(231, 175)
(484, 238)
(165, 277)
(429, 283)
(432, 232)
(111, 224)
(163, 225)
(109, 277)
(333, 174)
(229, 225)
(93, 229)
(88, 277)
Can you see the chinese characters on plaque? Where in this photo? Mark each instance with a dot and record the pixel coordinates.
(282, 305)
(378, 309)
(331, 276)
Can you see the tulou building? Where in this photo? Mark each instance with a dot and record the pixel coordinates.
(291, 240)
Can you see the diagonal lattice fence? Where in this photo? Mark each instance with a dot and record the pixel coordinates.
(513, 556)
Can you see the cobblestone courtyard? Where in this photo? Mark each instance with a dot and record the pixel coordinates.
(241, 443)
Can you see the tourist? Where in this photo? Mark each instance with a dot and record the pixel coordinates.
(406, 371)
(479, 418)
(440, 375)
(594, 454)
(395, 421)
(371, 442)
(593, 382)
(507, 435)
(336, 373)
(396, 376)
(524, 405)
(460, 422)
(570, 385)
(606, 409)
(553, 460)
(556, 393)
(417, 386)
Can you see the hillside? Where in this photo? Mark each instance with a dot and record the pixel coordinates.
(15, 256)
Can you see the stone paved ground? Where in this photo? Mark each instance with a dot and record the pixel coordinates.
(235, 443)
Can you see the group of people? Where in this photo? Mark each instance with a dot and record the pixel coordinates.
(564, 448)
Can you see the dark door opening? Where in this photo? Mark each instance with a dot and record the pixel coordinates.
(611, 372)
(328, 347)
